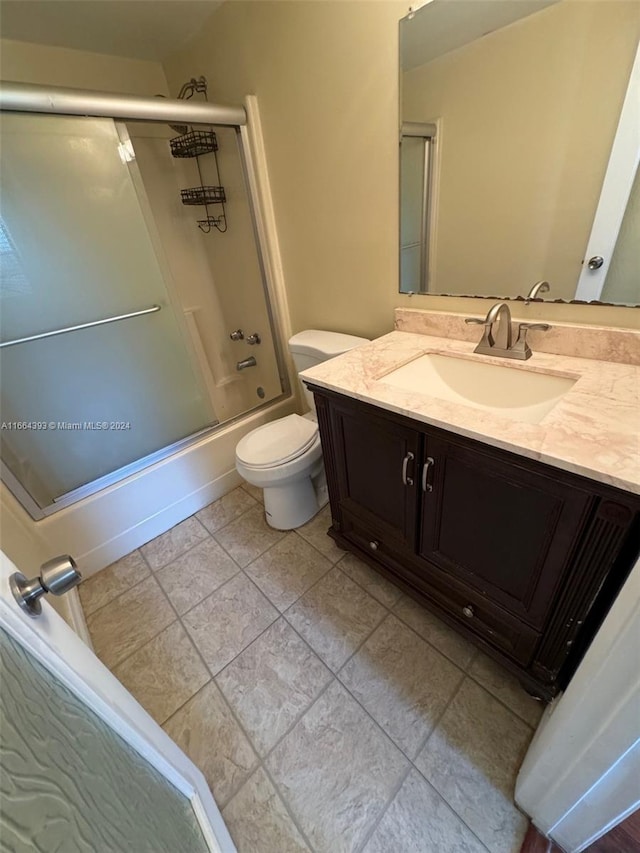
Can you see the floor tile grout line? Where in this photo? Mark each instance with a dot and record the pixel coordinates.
(120, 594)
(502, 702)
(394, 793)
(284, 533)
(362, 586)
(433, 645)
(439, 720)
(270, 752)
(177, 556)
(209, 594)
(466, 668)
(451, 809)
(257, 637)
(413, 761)
(271, 547)
(335, 677)
(297, 718)
(193, 646)
(287, 808)
(304, 539)
(315, 583)
(235, 518)
(366, 710)
(262, 760)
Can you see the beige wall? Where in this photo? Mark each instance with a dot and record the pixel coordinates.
(22, 62)
(326, 77)
(528, 119)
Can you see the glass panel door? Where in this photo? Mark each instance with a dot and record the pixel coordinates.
(69, 782)
(75, 248)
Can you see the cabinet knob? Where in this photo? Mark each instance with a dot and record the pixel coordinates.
(373, 545)
(468, 611)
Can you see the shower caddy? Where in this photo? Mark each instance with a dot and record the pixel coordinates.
(193, 144)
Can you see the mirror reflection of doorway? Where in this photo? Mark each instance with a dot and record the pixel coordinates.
(417, 155)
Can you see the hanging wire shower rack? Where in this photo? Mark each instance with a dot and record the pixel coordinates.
(193, 144)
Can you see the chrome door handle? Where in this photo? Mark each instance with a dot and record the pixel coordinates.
(408, 481)
(57, 576)
(595, 262)
(427, 486)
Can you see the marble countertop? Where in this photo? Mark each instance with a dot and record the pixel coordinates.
(594, 429)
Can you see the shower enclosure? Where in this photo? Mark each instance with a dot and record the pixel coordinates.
(116, 307)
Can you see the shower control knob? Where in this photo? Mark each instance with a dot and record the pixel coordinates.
(595, 262)
(253, 339)
(57, 576)
(238, 335)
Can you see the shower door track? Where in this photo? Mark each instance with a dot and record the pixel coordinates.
(30, 98)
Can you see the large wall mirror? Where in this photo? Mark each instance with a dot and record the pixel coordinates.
(519, 148)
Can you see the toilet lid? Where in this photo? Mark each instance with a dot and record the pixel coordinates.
(278, 442)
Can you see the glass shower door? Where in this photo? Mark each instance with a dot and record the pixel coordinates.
(75, 249)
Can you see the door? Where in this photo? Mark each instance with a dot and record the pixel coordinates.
(610, 266)
(377, 463)
(84, 767)
(498, 527)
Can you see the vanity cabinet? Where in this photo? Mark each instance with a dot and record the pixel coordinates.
(522, 557)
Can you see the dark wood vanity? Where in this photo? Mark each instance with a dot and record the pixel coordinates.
(522, 557)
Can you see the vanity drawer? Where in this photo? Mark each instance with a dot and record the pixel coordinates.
(475, 613)
(455, 602)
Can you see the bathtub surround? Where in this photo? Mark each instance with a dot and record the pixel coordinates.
(319, 668)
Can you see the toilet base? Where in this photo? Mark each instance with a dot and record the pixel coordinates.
(290, 506)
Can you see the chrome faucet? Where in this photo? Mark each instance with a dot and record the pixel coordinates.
(501, 344)
(538, 287)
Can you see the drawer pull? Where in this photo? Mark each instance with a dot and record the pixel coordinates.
(468, 611)
(408, 481)
(427, 486)
(374, 545)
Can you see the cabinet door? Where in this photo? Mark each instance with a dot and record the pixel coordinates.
(501, 527)
(377, 462)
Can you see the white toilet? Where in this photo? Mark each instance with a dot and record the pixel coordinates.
(284, 457)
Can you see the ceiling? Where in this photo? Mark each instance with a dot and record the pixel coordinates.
(444, 25)
(139, 29)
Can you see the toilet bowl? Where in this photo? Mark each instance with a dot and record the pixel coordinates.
(284, 457)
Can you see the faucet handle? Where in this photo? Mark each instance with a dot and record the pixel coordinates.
(536, 327)
(521, 348)
(476, 321)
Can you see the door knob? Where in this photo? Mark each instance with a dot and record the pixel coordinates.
(595, 262)
(468, 611)
(57, 576)
(374, 545)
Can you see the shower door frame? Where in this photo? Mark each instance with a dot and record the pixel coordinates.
(45, 100)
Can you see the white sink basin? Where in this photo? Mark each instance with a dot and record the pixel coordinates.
(519, 394)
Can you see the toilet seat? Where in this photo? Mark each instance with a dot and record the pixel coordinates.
(277, 443)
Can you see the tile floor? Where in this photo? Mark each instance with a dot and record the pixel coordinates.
(328, 711)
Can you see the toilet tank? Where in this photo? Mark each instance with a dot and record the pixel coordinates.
(314, 346)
